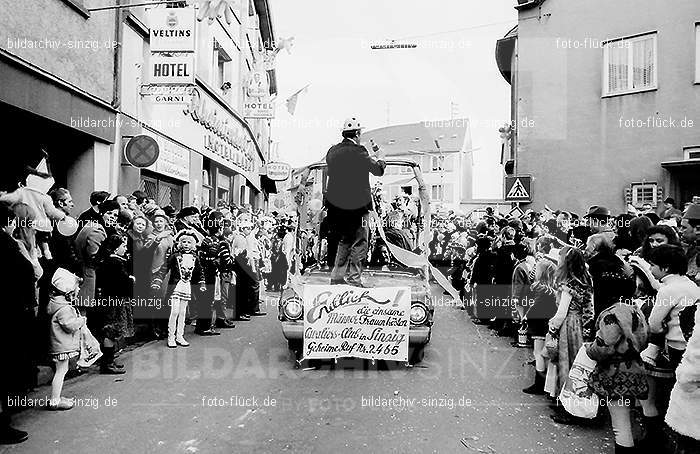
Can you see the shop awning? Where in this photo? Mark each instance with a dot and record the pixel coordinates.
(680, 164)
(268, 186)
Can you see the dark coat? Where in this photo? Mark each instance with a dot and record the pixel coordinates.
(349, 166)
(612, 282)
(113, 316)
(18, 306)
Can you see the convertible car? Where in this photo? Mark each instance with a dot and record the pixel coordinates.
(386, 265)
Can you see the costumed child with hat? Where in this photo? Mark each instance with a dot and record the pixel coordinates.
(65, 326)
(185, 270)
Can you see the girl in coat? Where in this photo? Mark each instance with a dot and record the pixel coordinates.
(64, 332)
(573, 322)
(544, 306)
(185, 271)
(113, 311)
(676, 292)
(619, 376)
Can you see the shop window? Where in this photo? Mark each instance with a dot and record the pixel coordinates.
(407, 190)
(162, 192)
(644, 193)
(630, 65)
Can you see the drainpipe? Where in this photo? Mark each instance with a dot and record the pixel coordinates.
(116, 100)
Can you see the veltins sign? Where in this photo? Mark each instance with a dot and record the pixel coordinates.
(171, 70)
(344, 321)
(172, 29)
(253, 108)
(278, 171)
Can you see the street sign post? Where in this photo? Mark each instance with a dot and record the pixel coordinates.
(518, 188)
(141, 151)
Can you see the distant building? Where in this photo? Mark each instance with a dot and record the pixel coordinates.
(443, 150)
(605, 101)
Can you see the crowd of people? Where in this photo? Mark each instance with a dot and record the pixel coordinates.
(128, 269)
(624, 287)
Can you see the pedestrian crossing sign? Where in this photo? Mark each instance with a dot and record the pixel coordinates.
(518, 188)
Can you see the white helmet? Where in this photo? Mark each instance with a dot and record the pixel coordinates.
(351, 124)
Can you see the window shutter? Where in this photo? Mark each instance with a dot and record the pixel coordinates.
(425, 166)
(449, 163)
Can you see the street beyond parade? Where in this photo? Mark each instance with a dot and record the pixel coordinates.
(261, 226)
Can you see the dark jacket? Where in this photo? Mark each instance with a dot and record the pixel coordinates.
(64, 253)
(612, 281)
(18, 304)
(349, 166)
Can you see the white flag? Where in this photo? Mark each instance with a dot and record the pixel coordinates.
(292, 100)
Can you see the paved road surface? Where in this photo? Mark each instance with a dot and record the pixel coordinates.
(240, 393)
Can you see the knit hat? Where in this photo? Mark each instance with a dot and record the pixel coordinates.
(109, 205)
(64, 281)
(188, 211)
(187, 232)
(159, 214)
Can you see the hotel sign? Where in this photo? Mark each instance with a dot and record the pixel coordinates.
(253, 108)
(172, 29)
(171, 70)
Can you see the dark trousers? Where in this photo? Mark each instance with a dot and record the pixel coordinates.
(247, 287)
(204, 303)
(353, 232)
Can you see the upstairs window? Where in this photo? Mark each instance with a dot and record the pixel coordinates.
(630, 65)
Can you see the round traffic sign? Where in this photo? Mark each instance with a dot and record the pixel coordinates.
(142, 151)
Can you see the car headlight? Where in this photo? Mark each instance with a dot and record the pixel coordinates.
(418, 314)
(293, 308)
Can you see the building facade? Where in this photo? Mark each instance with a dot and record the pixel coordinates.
(209, 151)
(57, 93)
(75, 83)
(444, 151)
(605, 101)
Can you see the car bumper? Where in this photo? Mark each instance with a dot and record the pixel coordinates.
(418, 335)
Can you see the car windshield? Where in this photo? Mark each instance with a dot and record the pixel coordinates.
(397, 202)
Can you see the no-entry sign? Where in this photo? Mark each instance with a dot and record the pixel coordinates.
(142, 151)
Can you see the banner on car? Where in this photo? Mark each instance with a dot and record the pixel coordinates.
(345, 321)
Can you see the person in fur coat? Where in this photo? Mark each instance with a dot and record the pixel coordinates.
(683, 415)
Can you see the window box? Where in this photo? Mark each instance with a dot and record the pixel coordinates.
(630, 65)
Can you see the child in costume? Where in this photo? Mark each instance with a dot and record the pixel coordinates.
(185, 271)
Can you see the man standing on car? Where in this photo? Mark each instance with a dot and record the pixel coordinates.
(349, 200)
